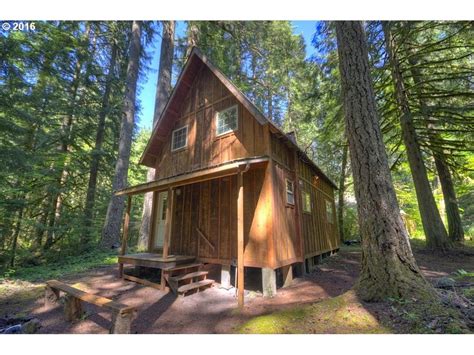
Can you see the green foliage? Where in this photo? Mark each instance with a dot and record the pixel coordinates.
(52, 87)
(63, 266)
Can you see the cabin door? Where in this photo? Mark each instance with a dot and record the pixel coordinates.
(160, 220)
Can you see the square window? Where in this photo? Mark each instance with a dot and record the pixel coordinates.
(329, 212)
(227, 120)
(290, 192)
(180, 138)
(306, 202)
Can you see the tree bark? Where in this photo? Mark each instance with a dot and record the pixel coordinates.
(163, 90)
(455, 230)
(388, 266)
(435, 232)
(111, 230)
(97, 152)
(342, 182)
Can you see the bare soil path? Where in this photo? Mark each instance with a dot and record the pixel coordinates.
(212, 311)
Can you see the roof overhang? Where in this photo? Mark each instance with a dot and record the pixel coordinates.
(218, 171)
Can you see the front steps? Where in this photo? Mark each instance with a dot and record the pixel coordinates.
(187, 278)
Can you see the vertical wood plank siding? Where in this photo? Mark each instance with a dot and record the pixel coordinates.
(206, 97)
(270, 224)
(211, 206)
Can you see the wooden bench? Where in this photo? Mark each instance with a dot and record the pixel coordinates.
(122, 315)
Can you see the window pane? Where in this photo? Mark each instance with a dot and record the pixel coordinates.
(227, 120)
(180, 138)
(290, 196)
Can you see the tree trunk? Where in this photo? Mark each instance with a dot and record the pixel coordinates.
(111, 230)
(435, 232)
(342, 182)
(16, 233)
(163, 90)
(97, 152)
(388, 266)
(455, 230)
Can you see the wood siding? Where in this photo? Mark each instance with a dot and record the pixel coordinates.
(206, 97)
(211, 207)
(319, 234)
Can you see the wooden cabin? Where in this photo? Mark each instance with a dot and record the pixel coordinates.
(230, 187)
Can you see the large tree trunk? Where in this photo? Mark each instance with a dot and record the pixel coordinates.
(163, 90)
(342, 183)
(455, 230)
(97, 152)
(388, 266)
(111, 230)
(435, 232)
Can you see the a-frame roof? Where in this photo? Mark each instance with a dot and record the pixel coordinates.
(171, 111)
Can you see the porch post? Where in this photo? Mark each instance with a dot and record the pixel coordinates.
(240, 240)
(168, 223)
(126, 221)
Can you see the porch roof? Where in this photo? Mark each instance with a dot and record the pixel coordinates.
(208, 173)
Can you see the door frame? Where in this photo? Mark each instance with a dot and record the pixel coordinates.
(151, 237)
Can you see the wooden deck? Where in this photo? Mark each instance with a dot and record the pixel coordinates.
(154, 260)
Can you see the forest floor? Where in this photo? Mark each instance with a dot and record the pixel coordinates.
(321, 302)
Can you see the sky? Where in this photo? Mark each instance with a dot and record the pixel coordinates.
(146, 95)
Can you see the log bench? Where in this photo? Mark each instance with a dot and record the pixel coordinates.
(122, 315)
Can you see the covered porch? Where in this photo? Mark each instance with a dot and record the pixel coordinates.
(162, 258)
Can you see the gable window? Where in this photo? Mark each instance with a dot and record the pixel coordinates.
(329, 213)
(290, 192)
(227, 120)
(306, 201)
(179, 139)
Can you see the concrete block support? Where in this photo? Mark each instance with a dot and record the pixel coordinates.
(225, 277)
(268, 282)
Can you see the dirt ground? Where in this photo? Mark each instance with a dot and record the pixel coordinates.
(211, 311)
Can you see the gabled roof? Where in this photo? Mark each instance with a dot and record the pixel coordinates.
(170, 113)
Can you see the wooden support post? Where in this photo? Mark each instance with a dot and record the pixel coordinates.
(168, 223)
(240, 240)
(287, 275)
(126, 222)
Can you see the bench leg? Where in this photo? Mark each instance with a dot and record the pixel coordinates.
(50, 295)
(120, 270)
(72, 308)
(121, 323)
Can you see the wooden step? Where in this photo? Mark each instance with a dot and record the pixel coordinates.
(181, 267)
(188, 276)
(195, 285)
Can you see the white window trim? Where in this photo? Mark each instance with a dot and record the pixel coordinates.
(172, 138)
(292, 192)
(217, 119)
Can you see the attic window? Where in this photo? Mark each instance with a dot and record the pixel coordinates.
(179, 139)
(227, 120)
